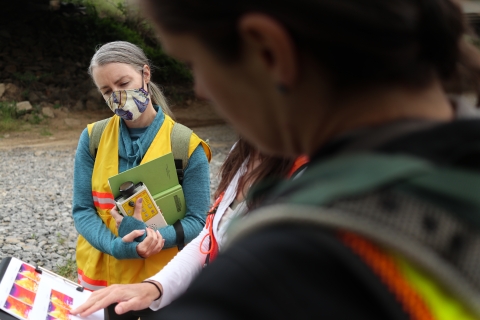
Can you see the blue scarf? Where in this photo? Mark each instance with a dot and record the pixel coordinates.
(133, 143)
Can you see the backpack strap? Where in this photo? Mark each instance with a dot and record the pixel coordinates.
(355, 193)
(180, 139)
(331, 218)
(96, 134)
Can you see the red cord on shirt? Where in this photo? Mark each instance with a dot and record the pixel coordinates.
(213, 247)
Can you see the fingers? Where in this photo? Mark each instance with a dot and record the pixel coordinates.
(159, 245)
(132, 304)
(151, 245)
(132, 235)
(117, 216)
(156, 246)
(142, 247)
(98, 300)
(137, 213)
(142, 296)
(130, 297)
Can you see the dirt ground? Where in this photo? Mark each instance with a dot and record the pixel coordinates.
(64, 129)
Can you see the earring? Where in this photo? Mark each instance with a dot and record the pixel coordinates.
(281, 88)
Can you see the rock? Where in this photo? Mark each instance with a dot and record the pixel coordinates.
(2, 89)
(60, 112)
(32, 117)
(12, 240)
(24, 106)
(44, 104)
(33, 97)
(72, 122)
(79, 105)
(48, 112)
(12, 91)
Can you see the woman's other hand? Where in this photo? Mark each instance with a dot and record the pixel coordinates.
(129, 297)
(137, 212)
(151, 245)
(116, 215)
(154, 241)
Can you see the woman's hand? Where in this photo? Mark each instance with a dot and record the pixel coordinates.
(117, 216)
(137, 212)
(129, 297)
(151, 245)
(154, 241)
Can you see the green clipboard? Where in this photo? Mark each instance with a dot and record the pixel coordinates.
(160, 177)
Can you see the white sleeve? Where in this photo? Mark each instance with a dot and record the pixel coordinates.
(177, 275)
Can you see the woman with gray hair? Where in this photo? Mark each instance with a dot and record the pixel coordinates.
(139, 131)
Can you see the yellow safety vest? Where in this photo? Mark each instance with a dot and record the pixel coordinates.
(95, 268)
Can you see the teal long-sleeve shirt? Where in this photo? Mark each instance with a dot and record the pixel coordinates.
(196, 187)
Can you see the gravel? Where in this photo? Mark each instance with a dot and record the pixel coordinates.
(36, 223)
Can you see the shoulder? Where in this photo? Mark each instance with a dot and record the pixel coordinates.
(98, 125)
(83, 147)
(84, 137)
(296, 269)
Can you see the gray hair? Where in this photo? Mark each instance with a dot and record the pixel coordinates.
(128, 53)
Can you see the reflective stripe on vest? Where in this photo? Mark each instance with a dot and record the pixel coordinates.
(90, 284)
(97, 269)
(103, 200)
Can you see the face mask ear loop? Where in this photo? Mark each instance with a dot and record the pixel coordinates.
(143, 83)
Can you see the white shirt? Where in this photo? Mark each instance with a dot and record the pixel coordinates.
(177, 275)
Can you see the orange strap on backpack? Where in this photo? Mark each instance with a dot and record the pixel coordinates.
(384, 267)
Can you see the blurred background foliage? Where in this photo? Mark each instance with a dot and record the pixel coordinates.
(95, 22)
(46, 47)
(74, 28)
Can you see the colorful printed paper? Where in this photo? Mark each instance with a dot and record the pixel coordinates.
(31, 295)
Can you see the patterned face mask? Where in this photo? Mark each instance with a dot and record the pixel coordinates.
(129, 104)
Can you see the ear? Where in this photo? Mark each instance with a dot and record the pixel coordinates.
(146, 74)
(273, 43)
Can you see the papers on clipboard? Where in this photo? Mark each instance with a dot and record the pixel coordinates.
(32, 293)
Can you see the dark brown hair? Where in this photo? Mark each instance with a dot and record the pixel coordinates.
(357, 43)
(269, 167)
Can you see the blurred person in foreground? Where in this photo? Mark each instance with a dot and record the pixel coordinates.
(384, 223)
